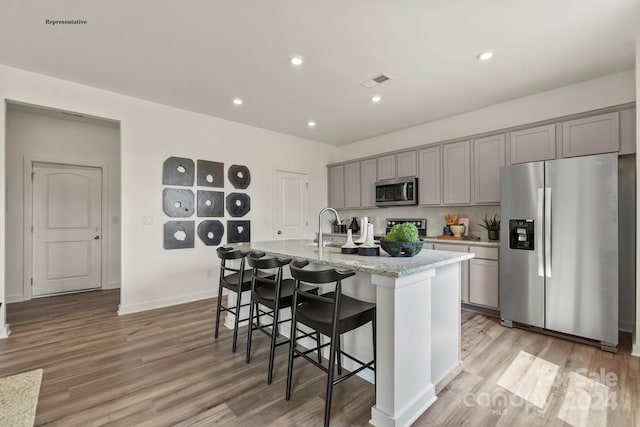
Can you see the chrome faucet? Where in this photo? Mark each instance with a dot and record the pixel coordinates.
(320, 224)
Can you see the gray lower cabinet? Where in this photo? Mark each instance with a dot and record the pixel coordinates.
(533, 144)
(368, 176)
(488, 157)
(429, 176)
(352, 185)
(591, 135)
(464, 273)
(336, 187)
(456, 173)
(483, 277)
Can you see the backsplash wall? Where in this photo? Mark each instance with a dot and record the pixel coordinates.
(434, 216)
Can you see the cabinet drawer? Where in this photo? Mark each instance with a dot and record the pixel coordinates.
(483, 282)
(450, 247)
(484, 253)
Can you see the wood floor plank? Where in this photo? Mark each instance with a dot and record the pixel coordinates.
(163, 367)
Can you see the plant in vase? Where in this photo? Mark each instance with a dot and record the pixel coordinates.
(335, 225)
(492, 225)
(402, 240)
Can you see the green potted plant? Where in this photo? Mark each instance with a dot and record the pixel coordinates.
(492, 225)
(335, 225)
(402, 240)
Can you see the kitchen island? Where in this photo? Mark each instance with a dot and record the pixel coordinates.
(417, 318)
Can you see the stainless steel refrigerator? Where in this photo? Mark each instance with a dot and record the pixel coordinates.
(559, 246)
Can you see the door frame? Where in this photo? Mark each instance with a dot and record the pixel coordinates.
(27, 217)
(274, 198)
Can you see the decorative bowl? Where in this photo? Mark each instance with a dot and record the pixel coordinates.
(406, 249)
(457, 229)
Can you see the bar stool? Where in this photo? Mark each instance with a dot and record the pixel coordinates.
(332, 314)
(275, 293)
(236, 280)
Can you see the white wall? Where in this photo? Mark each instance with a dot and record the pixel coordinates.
(44, 136)
(150, 132)
(606, 91)
(636, 334)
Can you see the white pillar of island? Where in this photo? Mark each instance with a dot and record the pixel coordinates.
(411, 354)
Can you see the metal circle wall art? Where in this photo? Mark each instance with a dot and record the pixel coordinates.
(238, 204)
(239, 176)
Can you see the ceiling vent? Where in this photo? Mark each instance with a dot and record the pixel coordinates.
(381, 78)
(71, 114)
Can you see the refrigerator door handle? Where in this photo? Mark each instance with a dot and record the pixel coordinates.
(547, 231)
(539, 237)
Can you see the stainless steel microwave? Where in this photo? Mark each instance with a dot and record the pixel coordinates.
(396, 192)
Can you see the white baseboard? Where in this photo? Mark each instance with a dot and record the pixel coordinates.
(150, 305)
(635, 351)
(15, 298)
(112, 285)
(4, 333)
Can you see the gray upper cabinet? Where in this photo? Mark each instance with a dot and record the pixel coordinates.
(336, 187)
(456, 173)
(628, 131)
(429, 176)
(406, 164)
(488, 157)
(387, 167)
(368, 176)
(352, 185)
(591, 135)
(533, 145)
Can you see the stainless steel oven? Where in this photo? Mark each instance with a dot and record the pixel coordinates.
(395, 192)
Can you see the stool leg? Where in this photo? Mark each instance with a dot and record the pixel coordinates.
(274, 335)
(237, 321)
(319, 349)
(339, 357)
(249, 332)
(335, 337)
(218, 310)
(292, 344)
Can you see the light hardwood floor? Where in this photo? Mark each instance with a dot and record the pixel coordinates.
(163, 367)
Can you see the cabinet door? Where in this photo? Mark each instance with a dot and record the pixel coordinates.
(429, 182)
(591, 135)
(336, 187)
(406, 164)
(464, 270)
(387, 167)
(628, 131)
(533, 145)
(352, 185)
(488, 155)
(483, 282)
(456, 173)
(368, 175)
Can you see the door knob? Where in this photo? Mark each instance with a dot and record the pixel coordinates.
(279, 231)
(96, 238)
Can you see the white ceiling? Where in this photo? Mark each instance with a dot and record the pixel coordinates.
(200, 54)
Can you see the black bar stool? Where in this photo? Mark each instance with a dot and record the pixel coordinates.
(272, 292)
(236, 280)
(332, 314)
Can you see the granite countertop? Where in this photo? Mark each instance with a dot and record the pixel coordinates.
(383, 265)
(485, 243)
(434, 239)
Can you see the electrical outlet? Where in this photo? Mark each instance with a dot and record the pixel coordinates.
(147, 220)
(209, 273)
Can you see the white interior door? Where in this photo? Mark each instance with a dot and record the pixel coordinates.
(291, 219)
(67, 235)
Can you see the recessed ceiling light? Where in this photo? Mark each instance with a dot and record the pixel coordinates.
(237, 101)
(296, 60)
(485, 56)
(311, 124)
(376, 98)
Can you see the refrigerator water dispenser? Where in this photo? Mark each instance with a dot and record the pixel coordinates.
(521, 234)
